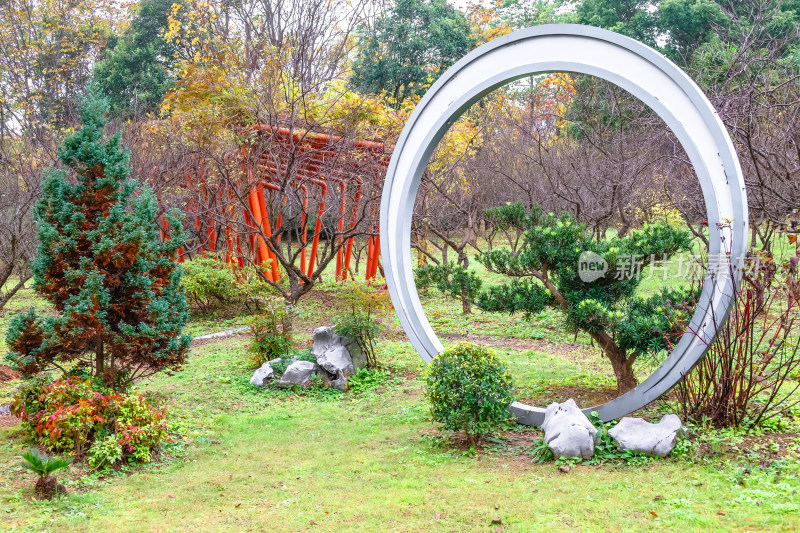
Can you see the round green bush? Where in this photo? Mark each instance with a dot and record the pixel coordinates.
(469, 390)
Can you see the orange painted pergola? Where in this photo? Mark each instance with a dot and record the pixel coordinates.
(310, 165)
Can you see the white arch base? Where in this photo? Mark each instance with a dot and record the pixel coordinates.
(636, 68)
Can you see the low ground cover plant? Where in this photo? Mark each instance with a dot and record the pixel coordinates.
(469, 390)
(209, 282)
(212, 284)
(71, 415)
(272, 330)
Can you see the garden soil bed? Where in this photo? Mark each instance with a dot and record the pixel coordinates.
(6, 374)
(6, 421)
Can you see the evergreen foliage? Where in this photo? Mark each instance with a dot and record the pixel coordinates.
(545, 273)
(679, 28)
(451, 279)
(135, 74)
(115, 288)
(409, 48)
(41, 464)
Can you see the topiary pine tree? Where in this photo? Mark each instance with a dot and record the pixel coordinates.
(114, 286)
(451, 279)
(546, 272)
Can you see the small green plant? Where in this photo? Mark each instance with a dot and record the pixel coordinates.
(272, 330)
(541, 452)
(453, 280)
(366, 379)
(105, 452)
(469, 390)
(39, 463)
(606, 448)
(362, 316)
(209, 282)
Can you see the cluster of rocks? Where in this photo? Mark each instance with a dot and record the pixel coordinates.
(569, 433)
(337, 359)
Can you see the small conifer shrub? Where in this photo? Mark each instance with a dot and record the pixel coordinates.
(113, 283)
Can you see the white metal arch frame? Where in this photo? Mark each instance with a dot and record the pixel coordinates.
(643, 72)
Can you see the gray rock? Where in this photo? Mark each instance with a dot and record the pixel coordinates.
(324, 339)
(340, 382)
(573, 441)
(298, 373)
(336, 359)
(262, 375)
(357, 355)
(337, 381)
(567, 431)
(335, 353)
(641, 436)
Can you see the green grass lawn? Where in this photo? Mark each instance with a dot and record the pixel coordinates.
(270, 460)
(252, 459)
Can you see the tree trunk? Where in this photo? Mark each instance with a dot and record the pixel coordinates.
(466, 306)
(622, 365)
(623, 371)
(5, 297)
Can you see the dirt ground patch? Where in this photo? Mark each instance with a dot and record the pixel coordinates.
(6, 421)
(6, 374)
(570, 351)
(583, 396)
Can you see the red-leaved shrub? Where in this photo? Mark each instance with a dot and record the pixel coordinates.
(69, 415)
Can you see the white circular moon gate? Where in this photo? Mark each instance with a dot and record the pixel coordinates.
(644, 73)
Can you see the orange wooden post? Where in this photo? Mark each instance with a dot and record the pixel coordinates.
(262, 245)
(162, 227)
(212, 235)
(264, 223)
(370, 256)
(349, 251)
(249, 224)
(317, 225)
(340, 227)
(303, 236)
(376, 248)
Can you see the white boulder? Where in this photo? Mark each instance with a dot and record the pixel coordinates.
(337, 354)
(335, 360)
(641, 436)
(298, 373)
(567, 431)
(324, 339)
(262, 375)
